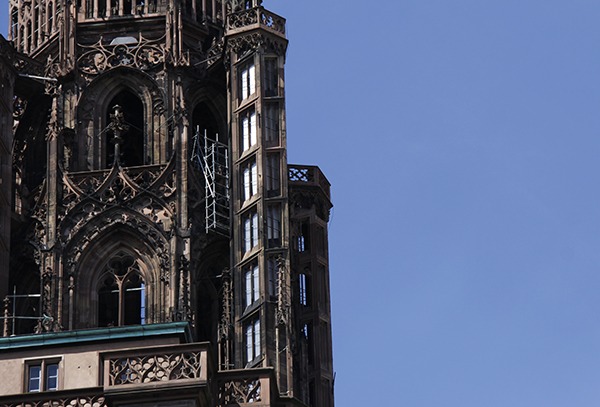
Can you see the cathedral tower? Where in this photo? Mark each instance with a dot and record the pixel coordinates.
(156, 246)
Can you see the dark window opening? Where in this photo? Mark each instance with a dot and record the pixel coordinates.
(272, 124)
(14, 24)
(108, 302)
(305, 287)
(50, 18)
(271, 77)
(132, 138)
(304, 237)
(204, 123)
(272, 179)
(273, 226)
(122, 294)
(101, 8)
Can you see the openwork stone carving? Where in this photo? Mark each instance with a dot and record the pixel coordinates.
(253, 41)
(237, 392)
(145, 55)
(260, 16)
(79, 401)
(154, 368)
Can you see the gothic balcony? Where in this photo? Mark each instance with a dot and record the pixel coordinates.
(143, 370)
(242, 387)
(255, 18)
(90, 397)
(308, 176)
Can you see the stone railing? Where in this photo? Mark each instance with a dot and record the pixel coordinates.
(256, 17)
(102, 9)
(247, 386)
(159, 365)
(308, 175)
(77, 398)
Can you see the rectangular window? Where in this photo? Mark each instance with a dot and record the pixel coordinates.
(307, 332)
(273, 226)
(41, 376)
(305, 289)
(52, 376)
(304, 237)
(250, 224)
(272, 124)
(248, 129)
(253, 341)
(272, 272)
(273, 177)
(252, 287)
(271, 77)
(35, 378)
(247, 81)
(250, 179)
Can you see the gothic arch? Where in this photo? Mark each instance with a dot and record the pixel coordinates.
(93, 115)
(207, 102)
(206, 291)
(115, 243)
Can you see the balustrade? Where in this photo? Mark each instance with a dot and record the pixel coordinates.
(156, 365)
(254, 18)
(310, 176)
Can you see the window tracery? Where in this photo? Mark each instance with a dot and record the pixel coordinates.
(121, 293)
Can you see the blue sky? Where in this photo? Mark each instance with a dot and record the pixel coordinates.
(462, 139)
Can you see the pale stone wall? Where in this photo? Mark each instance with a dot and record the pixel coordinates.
(79, 365)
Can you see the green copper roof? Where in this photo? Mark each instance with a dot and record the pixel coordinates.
(97, 334)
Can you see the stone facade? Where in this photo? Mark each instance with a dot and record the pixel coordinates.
(147, 191)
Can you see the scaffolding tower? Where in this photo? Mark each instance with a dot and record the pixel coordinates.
(211, 157)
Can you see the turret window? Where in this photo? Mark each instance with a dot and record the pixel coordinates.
(250, 179)
(250, 225)
(251, 284)
(271, 77)
(272, 179)
(247, 81)
(272, 124)
(273, 226)
(253, 340)
(248, 129)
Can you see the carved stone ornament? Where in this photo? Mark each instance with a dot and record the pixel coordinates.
(154, 368)
(254, 41)
(144, 54)
(141, 198)
(236, 392)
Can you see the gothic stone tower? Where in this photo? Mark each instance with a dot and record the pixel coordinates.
(162, 249)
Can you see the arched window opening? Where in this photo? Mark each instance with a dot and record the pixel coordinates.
(121, 293)
(29, 36)
(50, 18)
(101, 8)
(36, 16)
(127, 7)
(132, 138)
(14, 24)
(204, 122)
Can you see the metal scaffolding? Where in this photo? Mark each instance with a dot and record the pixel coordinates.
(211, 157)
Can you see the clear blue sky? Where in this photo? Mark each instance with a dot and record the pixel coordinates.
(462, 139)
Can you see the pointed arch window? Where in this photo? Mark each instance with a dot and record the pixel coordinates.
(132, 138)
(121, 293)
